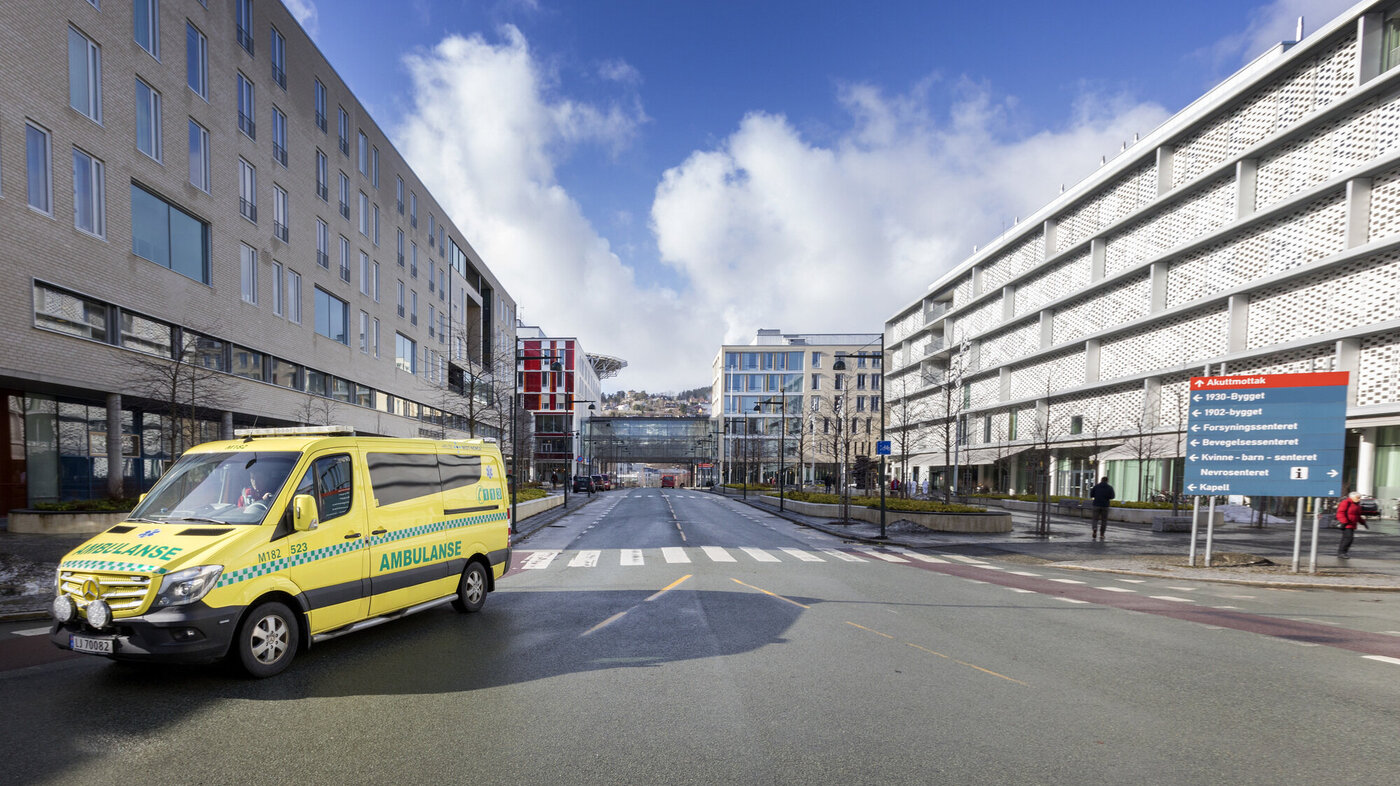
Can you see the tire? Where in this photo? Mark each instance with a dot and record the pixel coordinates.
(267, 640)
(471, 590)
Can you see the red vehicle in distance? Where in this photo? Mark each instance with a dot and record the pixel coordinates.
(668, 481)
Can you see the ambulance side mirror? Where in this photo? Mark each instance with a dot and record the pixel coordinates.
(141, 498)
(304, 512)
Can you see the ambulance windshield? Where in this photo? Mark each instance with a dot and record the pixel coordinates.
(220, 488)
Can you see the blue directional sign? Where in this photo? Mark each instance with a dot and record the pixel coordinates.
(882, 447)
(1267, 435)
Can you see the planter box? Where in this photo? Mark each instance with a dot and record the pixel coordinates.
(63, 522)
(1127, 515)
(534, 507)
(938, 522)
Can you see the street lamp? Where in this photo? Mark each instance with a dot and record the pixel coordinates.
(782, 439)
(570, 469)
(840, 365)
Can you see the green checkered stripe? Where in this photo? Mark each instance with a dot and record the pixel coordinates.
(108, 566)
(282, 563)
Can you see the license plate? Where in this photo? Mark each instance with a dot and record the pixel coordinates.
(89, 644)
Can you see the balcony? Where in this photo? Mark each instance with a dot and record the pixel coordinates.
(323, 192)
(344, 145)
(413, 221)
(400, 207)
(413, 319)
(400, 260)
(249, 210)
(323, 259)
(321, 121)
(345, 273)
(400, 312)
(345, 210)
(245, 40)
(280, 231)
(279, 76)
(279, 154)
(247, 126)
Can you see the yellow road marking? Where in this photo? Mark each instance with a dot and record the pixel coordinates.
(621, 614)
(773, 594)
(965, 663)
(668, 587)
(876, 632)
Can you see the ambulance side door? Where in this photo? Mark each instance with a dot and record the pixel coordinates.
(330, 563)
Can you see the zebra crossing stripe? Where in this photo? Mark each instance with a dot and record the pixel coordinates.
(760, 554)
(631, 557)
(539, 560)
(585, 559)
(841, 555)
(674, 554)
(920, 557)
(959, 558)
(882, 555)
(717, 554)
(805, 556)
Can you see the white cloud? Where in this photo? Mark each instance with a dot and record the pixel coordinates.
(618, 70)
(775, 230)
(485, 133)
(304, 11)
(769, 228)
(1274, 22)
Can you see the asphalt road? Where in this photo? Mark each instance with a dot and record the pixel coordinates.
(676, 637)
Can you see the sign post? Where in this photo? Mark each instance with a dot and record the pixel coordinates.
(1266, 435)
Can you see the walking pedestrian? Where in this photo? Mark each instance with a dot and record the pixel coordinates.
(1349, 515)
(554, 480)
(1101, 494)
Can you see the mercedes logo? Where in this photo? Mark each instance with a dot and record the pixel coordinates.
(91, 590)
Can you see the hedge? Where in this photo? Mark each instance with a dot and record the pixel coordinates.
(891, 503)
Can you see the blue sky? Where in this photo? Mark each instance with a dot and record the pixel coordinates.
(658, 178)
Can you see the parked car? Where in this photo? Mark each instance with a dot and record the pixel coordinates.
(599, 483)
(668, 482)
(607, 481)
(1370, 506)
(582, 483)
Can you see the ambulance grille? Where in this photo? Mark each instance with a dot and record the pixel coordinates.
(122, 591)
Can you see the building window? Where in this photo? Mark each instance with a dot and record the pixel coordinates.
(413, 210)
(432, 321)
(401, 300)
(279, 137)
(442, 242)
(320, 106)
(343, 131)
(405, 353)
(322, 177)
(376, 225)
(332, 317)
(413, 259)
(376, 282)
(399, 194)
(840, 381)
(364, 214)
(874, 403)
(279, 306)
(89, 187)
(76, 316)
(432, 231)
(84, 75)
(374, 166)
(364, 332)
(1011, 425)
(344, 259)
(199, 156)
(432, 275)
(146, 25)
(363, 153)
(197, 61)
(243, 19)
(413, 306)
(365, 280)
(148, 120)
(344, 197)
(248, 267)
(400, 248)
(293, 297)
(1076, 424)
(281, 219)
(279, 59)
(323, 244)
(247, 190)
(245, 108)
(816, 382)
(374, 337)
(860, 382)
(39, 157)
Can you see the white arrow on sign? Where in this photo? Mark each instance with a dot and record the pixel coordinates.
(1195, 428)
(1332, 473)
(1195, 398)
(1191, 487)
(1195, 413)
(1200, 383)
(1194, 443)
(1191, 457)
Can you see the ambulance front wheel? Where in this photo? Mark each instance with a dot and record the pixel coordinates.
(471, 591)
(267, 640)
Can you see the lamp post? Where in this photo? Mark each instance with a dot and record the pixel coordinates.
(569, 470)
(840, 365)
(782, 439)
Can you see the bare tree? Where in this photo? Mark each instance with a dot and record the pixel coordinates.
(1044, 431)
(189, 386)
(1142, 444)
(908, 427)
(317, 411)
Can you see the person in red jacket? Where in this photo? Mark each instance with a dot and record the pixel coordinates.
(1349, 515)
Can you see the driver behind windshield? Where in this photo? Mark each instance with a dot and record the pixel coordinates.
(258, 489)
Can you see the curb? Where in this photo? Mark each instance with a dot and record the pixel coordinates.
(1236, 580)
(23, 616)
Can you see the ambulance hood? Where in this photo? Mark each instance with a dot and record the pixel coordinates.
(157, 548)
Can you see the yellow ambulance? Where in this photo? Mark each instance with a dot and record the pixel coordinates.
(258, 547)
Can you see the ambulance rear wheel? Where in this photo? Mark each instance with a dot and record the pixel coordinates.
(267, 640)
(471, 591)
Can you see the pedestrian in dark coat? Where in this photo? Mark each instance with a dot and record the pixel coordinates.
(1349, 515)
(1101, 494)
